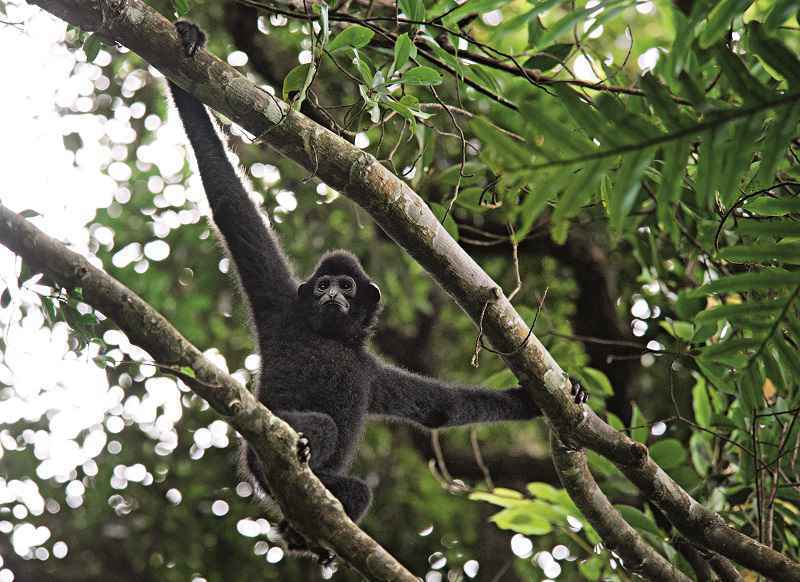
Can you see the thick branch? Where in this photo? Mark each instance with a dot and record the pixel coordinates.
(408, 220)
(637, 555)
(303, 499)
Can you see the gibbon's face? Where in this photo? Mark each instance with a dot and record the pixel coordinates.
(334, 293)
(339, 300)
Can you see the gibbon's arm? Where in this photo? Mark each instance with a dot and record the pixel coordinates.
(431, 403)
(263, 270)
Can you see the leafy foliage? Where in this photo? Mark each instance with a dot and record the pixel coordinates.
(667, 139)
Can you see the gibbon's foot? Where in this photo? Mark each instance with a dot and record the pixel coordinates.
(327, 559)
(303, 448)
(295, 542)
(579, 395)
(192, 38)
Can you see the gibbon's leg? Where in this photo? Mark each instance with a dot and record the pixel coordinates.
(352, 492)
(319, 432)
(318, 438)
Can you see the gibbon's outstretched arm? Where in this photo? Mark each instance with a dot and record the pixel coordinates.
(263, 270)
(431, 403)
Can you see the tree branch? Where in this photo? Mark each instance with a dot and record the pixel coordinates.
(637, 555)
(303, 499)
(409, 221)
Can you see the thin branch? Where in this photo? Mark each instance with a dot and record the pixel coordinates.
(303, 499)
(618, 535)
(405, 217)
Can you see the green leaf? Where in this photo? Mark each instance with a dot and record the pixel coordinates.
(542, 6)
(91, 47)
(486, 77)
(103, 361)
(669, 453)
(728, 347)
(499, 496)
(29, 213)
(701, 403)
(355, 36)
(739, 156)
(788, 354)
(187, 371)
(295, 80)
(593, 568)
(719, 20)
(532, 206)
(587, 117)
(709, 167)
(549, 57)
(557, 136)
(777, 140)
(760, 253)
(580, 189)
(663, 104)
(701, 453)
(639, 520)
(735, 311)
(450, 224)
(559, 28)
(522, 519)
(639, 429)
(50, 308)
(627, 186)
(5, 298)
(747, 86)
(773, 206)
(413, 9)
(181, 7)
(511, 152)
(404, 49)
(595, 381)
(362, 64)
(774, 54)
(450, 60)
(776, 228)
(614, 421)
(470, 8)
(421, 76)
(782, 11)
(546, 491)
(682, 330)
(669, 194)
(751, 384)
(682, 45)
(630, 125)
(766, 279)
(687, 307)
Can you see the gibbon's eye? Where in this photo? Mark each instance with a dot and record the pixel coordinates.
(322, 285)
(346, 285)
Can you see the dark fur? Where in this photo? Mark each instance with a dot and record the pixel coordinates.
(324, 384)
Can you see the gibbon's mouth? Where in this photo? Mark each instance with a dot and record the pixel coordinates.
(333, 304)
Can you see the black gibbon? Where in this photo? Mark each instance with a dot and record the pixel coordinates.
(317, 373)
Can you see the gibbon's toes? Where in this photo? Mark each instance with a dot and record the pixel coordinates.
(192, 38)
(327, 559)
(579, 395)
(303, 448)
(293, 540)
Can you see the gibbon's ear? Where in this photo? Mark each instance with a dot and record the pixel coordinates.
(373, 293)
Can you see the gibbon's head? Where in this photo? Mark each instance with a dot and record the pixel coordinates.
(339, 300)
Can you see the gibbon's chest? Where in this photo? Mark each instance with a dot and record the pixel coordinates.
(309, 371)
